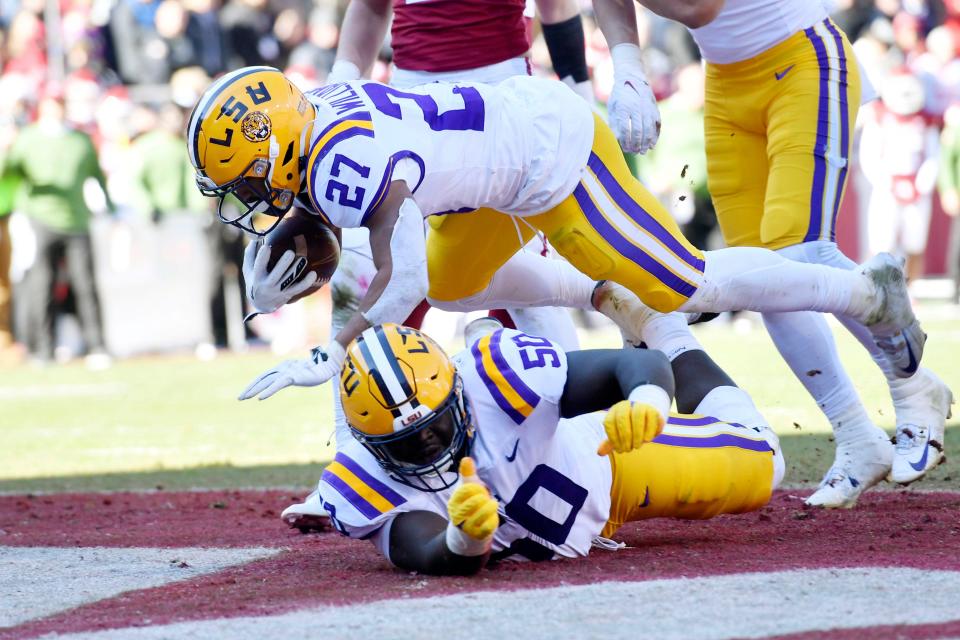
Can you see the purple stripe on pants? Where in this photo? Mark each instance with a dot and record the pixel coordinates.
(700, 422)
(389, 494)
(714, 442)
(638, 214)
(844, 126)
(820, 148)
(627, 249)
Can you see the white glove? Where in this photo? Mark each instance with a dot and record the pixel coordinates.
(633, 113)
(270, 290)
(343, 71)
(322, 365)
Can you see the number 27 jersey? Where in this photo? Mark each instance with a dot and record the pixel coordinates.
(517, 147)
(553, 489)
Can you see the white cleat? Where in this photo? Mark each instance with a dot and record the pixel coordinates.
(856, 468)
(894, 326)
(921, 426)
(308, 515)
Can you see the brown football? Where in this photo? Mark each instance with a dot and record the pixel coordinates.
(316, 245)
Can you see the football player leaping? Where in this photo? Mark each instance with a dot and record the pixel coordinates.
(431, 42)
(524, 411)
(782, 94)
(365, 154)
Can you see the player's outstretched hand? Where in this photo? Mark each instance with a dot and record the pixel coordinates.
(473, 513)
(323, 364)
(633, 112)
(629, 425)
(268, 290)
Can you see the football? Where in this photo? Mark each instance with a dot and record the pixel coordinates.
(315, 244)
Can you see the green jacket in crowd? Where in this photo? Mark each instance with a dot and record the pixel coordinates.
(53, 167)
(165, 174)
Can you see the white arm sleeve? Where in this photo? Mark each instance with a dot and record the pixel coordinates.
(408, 278)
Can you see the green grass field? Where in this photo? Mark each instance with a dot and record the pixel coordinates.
(174, 422)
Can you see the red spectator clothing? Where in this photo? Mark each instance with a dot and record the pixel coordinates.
(899, 146)
(452, 35)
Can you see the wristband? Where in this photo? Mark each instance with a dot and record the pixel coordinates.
(654, 396)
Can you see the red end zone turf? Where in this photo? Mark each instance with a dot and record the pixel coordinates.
(885, 530)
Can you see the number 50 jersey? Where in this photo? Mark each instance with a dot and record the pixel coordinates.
(517, 147)
(553, 489)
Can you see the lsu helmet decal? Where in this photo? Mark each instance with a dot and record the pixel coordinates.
(403, 400)
(245, 138)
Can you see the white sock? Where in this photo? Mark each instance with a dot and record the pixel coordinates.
(804, 340)
(529, 280)
(669, 333)
(731, 404)
(748, 278)
(828, 253)
(553, 323)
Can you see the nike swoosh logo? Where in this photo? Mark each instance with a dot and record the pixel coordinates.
(922, 462)
(784, 72)
(630, 84)
(646, 498)
(513, 455)
(912, 367)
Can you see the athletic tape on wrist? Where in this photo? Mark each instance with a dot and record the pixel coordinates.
(654, 396)
(463, 545)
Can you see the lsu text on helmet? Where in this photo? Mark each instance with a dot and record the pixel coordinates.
(403, 400)
(246, 137)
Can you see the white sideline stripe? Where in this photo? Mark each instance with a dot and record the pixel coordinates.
(751, 605)
(40, 581)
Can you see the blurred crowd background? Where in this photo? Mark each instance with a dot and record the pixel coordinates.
(115, 253)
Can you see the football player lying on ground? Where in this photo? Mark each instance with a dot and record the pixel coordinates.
(503, 450)
(365, 154)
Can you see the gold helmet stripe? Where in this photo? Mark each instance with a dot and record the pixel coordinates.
(203, 106)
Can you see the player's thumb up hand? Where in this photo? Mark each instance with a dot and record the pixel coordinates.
(472, 512)
(628, 425)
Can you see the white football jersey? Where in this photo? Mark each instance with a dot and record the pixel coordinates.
(745, 28)
(518, 147)
(553, 488)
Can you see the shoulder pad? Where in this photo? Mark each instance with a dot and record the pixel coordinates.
(519, 371)
(348, 174)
